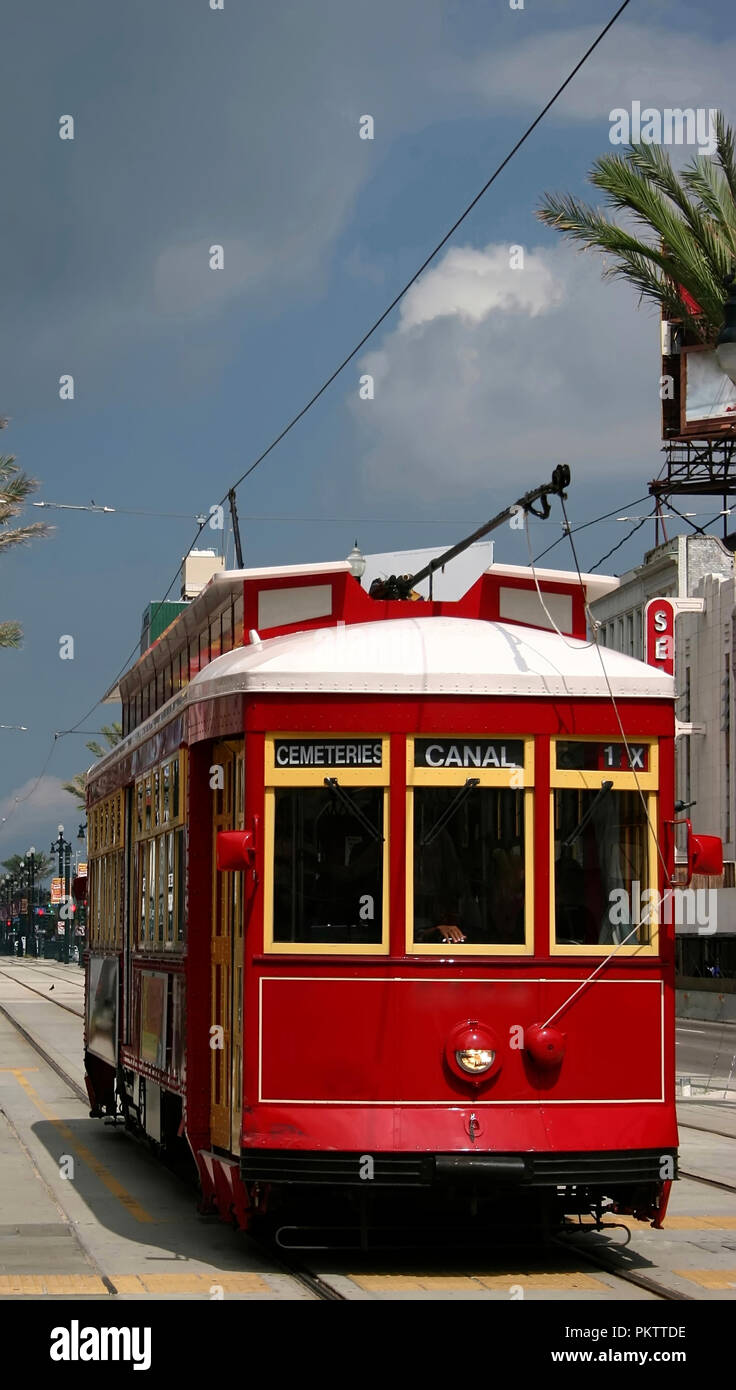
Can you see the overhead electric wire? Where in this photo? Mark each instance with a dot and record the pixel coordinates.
(593, 522)
(374, 326)
(435, 252)
(623, 540)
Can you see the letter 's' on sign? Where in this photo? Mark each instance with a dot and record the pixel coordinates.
(660, 634)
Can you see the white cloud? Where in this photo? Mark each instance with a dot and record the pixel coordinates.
(34, 820)
(471, 284)
(657, 66)
(566, 372)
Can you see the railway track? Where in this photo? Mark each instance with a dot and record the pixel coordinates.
(43, 994)
(318, 1286)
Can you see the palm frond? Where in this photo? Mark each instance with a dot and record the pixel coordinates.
(705, 179)
(21, 535)
(690, 218)
(11, 634)
(700, 262)
(726, 152)
(712, 222)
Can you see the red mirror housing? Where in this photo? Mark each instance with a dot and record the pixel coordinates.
(704, 854)
(235, 850)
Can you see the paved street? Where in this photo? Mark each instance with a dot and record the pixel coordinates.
(120, 1225)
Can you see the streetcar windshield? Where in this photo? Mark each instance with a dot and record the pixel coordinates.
(468, 865)
(601, 868)
(328, 865)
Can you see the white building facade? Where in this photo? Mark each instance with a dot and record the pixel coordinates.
(700, 568)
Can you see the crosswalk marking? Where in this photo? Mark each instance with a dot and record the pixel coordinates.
(470, 1283)
(710, 1278)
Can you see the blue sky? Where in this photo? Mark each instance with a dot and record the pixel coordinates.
(240, 127)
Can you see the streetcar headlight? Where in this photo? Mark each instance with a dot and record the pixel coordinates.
(475, 1060)
(473, 1052)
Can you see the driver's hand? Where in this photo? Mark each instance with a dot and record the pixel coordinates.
(450, 933)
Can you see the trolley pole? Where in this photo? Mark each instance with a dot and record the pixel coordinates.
(63, 849)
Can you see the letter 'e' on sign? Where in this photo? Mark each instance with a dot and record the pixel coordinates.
(660, 634)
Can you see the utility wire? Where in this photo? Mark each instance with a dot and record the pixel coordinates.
(623, 541)
(435, 252)
(594, 522)
(396, 300)
(381, 319)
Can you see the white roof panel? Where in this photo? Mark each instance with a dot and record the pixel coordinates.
(431, 656)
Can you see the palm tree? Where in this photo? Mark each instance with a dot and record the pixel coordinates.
(17, 864)
(15, 487)
(691, 219)
(112, 734)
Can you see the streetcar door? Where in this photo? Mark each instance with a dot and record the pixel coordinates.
(226, 956)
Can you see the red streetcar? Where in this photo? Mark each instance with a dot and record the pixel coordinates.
(365, 887)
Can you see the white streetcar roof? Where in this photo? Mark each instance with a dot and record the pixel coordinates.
(430, 656)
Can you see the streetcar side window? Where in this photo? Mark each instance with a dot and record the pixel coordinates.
(469, 844)
(328, 866)
(605, 868)
(159, 859)
(106, 824)
(469, 866)
(601, 868)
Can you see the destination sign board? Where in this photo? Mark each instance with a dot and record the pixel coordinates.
(600, 757)
(327, 752)
(468, 752)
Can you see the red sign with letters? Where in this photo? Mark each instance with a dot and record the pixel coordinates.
(660, 634)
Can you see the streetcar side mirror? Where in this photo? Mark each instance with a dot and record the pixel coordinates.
(704, 854)
(236, 850)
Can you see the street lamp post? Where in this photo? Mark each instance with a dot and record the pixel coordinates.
(63, 849)
(82, 841)
(8, 910)
(12, 887)
(31, 862)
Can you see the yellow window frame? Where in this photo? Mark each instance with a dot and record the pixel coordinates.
(106, 844)
(161, 823)
(514, 778)
(278, 777)
(633, 781)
